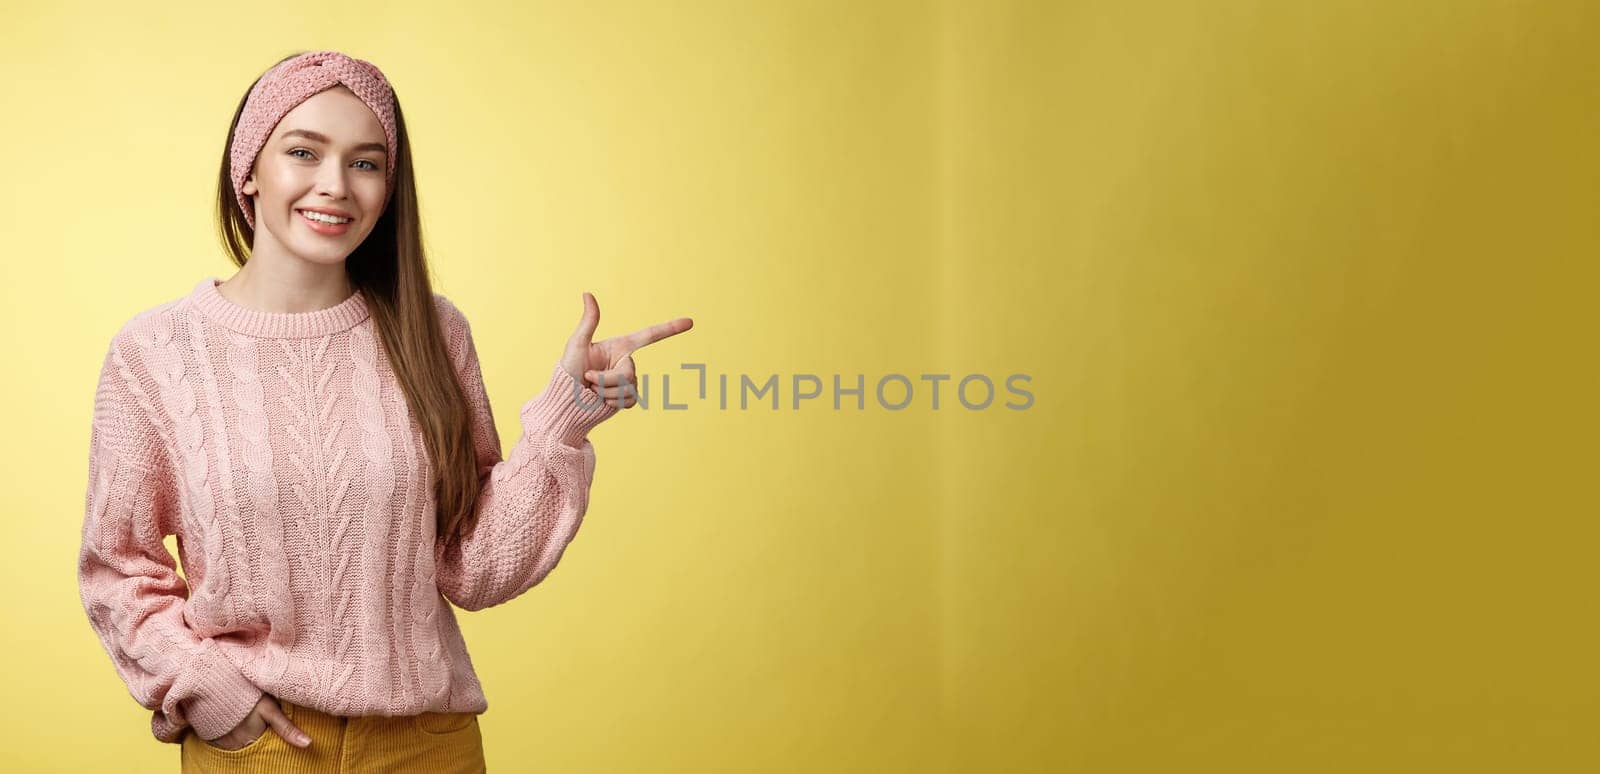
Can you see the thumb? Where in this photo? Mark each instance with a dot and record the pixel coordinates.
(280, 722)
(591, 320)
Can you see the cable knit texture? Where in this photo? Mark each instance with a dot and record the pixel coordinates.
(281, 451)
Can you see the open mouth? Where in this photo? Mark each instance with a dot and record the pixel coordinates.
(325, 224)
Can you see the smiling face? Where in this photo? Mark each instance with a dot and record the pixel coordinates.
(327, 154)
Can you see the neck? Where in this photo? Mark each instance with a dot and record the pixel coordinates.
(287, 287)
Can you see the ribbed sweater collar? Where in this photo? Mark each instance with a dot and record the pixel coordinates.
(277, 325)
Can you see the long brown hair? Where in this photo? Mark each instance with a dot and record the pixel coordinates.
(390, 268)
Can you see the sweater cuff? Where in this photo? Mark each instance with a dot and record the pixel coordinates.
(223, 696)
(566, 410)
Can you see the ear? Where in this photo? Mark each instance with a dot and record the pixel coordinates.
(249, 188)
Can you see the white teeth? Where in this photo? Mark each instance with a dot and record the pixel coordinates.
(321, 218)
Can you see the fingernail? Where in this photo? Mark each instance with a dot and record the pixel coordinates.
(303, 739)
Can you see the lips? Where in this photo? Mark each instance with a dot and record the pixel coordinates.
(326, 229)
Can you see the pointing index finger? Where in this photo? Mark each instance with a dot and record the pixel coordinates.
(655, 333)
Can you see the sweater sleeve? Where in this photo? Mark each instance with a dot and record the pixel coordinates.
(531, 502)
(128, 581)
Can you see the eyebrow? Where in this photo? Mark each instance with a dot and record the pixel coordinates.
(322, 138)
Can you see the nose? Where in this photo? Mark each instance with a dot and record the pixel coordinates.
(331, 181)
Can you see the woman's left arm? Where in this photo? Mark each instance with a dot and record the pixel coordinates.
(531, 502)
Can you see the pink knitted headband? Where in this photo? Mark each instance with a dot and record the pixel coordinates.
(292, 82)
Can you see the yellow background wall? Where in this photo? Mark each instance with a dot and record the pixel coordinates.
(1304, 290)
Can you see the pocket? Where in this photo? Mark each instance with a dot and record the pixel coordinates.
(444, 723)
(253, 744)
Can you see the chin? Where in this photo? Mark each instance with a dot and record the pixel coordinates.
(322, 261)
(319, 249)
(324, 254)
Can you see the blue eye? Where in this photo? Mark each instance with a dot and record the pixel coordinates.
(371, 167)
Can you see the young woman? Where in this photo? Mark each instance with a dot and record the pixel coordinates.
(316, 432)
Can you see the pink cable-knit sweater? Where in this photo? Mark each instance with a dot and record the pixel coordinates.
(281, 451)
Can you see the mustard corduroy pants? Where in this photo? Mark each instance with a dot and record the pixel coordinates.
(433, 743)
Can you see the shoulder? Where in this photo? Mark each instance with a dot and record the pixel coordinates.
(456, 329)
(134, 359)
(449, 313)
(452, 320)
(147, 329)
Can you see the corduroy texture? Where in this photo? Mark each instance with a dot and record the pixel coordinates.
(292, 82)
(431, 742)
(281, 451)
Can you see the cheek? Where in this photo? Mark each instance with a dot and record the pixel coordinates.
(277, 183)
(371, 196)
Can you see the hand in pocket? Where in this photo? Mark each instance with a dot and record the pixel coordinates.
(266, 714)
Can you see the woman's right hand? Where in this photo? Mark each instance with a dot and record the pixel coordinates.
(266, 713)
